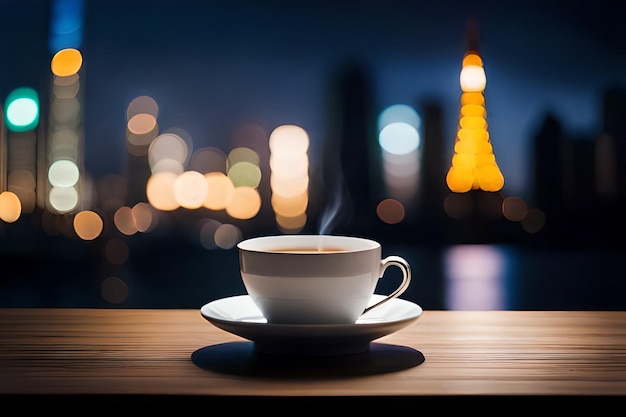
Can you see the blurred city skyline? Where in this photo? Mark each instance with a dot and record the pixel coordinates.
(555, 77)
(214, 67)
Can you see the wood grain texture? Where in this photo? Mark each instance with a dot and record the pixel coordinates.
(465, 353)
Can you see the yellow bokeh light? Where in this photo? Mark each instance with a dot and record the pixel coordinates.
(88, 225)
(460, 180)
(289, 139)
(66, 62)
(288, 186)
(463, 146)
(483, 147)
(474, 135)
(462, 160)
(160, 191)
(10, 207)
(490, 178)
(289, 180)
(190, 189)
(472, 58)
(291, 224)
(469, 97)
(484, 159)
(142, 123)
(475, 182)
(220, 190)
(244, 204)
(475, 110)
(473, 122)
(290, 206)
(289, 165)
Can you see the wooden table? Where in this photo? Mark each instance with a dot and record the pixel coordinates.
(460, 359)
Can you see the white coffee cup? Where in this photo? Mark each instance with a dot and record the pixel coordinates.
(315, 279)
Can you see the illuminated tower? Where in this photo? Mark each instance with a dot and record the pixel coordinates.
(473, 163)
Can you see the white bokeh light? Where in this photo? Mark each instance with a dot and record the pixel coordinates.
(63, 173)
(399, 138)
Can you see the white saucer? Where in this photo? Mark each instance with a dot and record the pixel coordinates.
(239, 315)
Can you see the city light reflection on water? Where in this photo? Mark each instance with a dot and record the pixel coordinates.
(511, 277)
(159, 271)
(475, 277)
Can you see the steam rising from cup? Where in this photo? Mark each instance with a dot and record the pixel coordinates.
(337, 202)
(330, 215)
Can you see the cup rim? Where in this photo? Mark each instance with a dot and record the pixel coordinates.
(359, 244)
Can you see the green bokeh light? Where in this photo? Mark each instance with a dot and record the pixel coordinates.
(22, 109)
(245, 174)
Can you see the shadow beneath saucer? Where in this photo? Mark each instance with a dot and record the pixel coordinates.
(240, 358)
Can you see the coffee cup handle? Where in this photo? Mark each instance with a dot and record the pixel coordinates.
(406, 278)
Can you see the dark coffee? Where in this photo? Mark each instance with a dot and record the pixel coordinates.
(307, 250)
